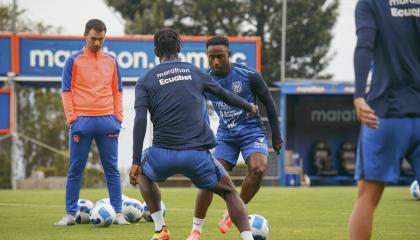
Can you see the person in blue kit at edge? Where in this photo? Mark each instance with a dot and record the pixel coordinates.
(237, 132)
(388, 35)
(173, 92)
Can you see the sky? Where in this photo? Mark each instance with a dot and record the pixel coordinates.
(72, 15)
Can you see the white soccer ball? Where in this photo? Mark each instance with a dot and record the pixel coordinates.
(102, 215)
(146, 213)
(132, 209)
(103, 200)
(107, 200)
(84, 207)
(415, 190)
(259, 227)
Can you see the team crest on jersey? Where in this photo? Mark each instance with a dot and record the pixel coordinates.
(237, 87)
(76, 138)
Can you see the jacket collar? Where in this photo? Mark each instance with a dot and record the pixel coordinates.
(87, 51)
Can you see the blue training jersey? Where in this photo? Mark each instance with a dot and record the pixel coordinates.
(234, 120)
(173, 92)
(395, 86)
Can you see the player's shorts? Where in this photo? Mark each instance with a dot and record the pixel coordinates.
(380, 151)
(200, 166)
(228, 147)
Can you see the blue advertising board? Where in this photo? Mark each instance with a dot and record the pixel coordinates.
(46, 56)
(5, 104)
(5, 54)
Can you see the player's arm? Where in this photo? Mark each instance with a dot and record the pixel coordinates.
(363, 57)
(139, 131)
(66, 93)
(260, 89)
(229, 98)
(117, 93)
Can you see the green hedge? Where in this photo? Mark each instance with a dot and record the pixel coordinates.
(5, 171)
(93, 178)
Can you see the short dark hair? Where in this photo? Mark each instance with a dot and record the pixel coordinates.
(217, 40)
(167, 41)
(96, 25)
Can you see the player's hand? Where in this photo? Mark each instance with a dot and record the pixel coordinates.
(277, 147)
(253, 112)
(365, 114)
(134, 174)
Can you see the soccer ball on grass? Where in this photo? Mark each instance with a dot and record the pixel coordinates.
(259, 227)
(84, 207)
(102, 215)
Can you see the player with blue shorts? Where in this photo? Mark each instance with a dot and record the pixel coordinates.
(388, 38)
(237, 132)
(173, 92)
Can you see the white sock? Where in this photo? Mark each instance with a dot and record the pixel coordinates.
(197, 224)
(158, 219)
(247, 235)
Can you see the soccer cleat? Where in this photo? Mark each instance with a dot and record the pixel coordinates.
(120, 220)
(67, 220)
(195, 235)
(226, 223)
(163, 234)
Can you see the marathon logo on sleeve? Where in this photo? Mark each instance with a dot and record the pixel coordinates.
(165, 77)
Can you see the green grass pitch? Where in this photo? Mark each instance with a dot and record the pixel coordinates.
(293, 213)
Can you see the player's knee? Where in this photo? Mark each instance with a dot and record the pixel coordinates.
(224, 189)
(74, 173)
(258, 171)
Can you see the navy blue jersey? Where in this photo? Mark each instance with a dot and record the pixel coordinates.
(173, 92)
(389, 36)
(248, 84)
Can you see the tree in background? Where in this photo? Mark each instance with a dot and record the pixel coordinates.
(309, 27)
(41, 117)
(143, 16)
(23, 24)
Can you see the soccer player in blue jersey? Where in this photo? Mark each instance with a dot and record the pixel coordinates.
(388, 35)
(237, 131)
(173, 92)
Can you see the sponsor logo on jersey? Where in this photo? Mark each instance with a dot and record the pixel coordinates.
(221, 105)
(175, 79)
(232, 124)
(260, 143)
(113, 135)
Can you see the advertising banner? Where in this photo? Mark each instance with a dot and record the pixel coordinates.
(5, 54)
(46, 55)
(5, 111)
